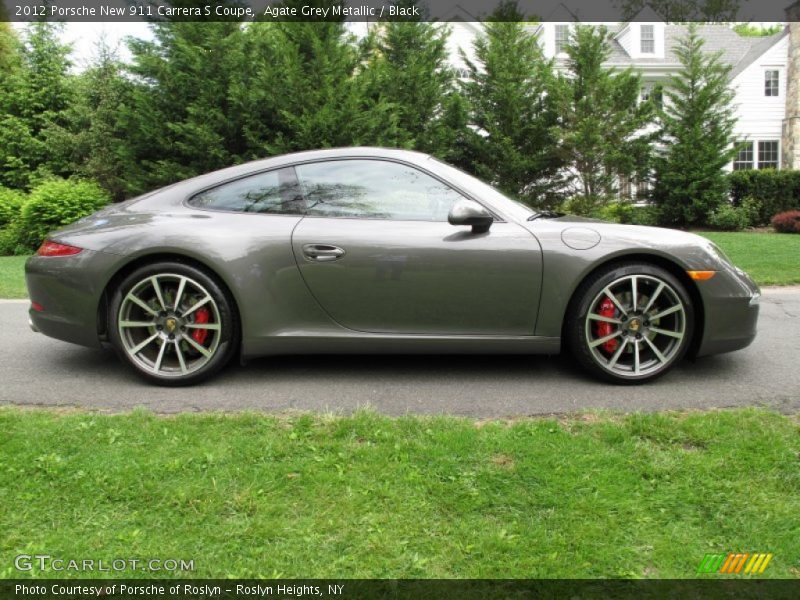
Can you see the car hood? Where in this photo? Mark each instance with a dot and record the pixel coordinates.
(639, 234)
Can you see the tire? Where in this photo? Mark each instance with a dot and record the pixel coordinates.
(173, 323)
(623, 343)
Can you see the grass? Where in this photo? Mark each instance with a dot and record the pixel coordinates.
(769, 258)
(643, 495)
(12, 277)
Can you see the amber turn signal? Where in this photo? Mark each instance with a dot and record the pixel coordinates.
(701, 275)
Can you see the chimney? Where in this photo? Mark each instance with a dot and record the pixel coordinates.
(790, 136)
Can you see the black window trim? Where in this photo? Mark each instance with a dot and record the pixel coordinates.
(293, 165)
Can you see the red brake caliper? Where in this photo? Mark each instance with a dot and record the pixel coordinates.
(201, 315)
(602, 329)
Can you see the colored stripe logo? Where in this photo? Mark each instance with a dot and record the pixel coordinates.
(735, 563)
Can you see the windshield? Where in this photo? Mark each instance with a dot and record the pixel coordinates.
(483, 190)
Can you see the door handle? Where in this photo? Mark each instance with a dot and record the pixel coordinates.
(322, 252)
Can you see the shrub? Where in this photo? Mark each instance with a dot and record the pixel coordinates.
(56, 203)
(618, 212)
(586, 206)
(10, 243)
(11, 202)
(645, 215)
(767, 191)
(729, 218)
(752, 208)
(787, 222)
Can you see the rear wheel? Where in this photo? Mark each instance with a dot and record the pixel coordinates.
(173, 324)
(631, 323)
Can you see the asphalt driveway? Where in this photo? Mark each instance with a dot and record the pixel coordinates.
(38, 371)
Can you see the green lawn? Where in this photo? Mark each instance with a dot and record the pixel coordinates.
(769, 258)
(12, 277)
(369, 496)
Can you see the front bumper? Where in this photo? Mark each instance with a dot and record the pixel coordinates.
(69, 289)
(731, 301)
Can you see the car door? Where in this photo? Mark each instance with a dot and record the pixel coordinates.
(378, 254)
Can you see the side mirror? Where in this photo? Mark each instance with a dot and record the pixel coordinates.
(467, 212)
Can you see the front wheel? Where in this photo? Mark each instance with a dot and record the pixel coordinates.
(173, 323)
(631, 323)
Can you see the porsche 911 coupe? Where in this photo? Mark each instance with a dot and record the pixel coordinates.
(365, 250)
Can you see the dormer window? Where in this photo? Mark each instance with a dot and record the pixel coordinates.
(648, 39)
(562, 37)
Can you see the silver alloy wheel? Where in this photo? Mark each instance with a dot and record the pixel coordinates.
(160, 326)
(645, 331)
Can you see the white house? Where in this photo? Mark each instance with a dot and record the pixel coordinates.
(758, 75)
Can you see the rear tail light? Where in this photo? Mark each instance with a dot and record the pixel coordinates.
(37, 307)
(50, 248)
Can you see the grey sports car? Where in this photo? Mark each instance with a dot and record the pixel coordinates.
(363, 250)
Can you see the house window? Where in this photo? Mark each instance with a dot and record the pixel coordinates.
(771, 83)
(625, 187)
(768, 154)
(744, 156)
(652, 91)
(562, 37)
(648, 39)
(643, 190)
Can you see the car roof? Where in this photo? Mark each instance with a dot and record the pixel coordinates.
(311, 155)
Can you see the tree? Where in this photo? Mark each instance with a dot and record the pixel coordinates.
(179, 121)
(9, 49)
(409, 70)
(698, 121)
(33, 96)
(303, 89)
(93, 142)
(751, 30)
(716, 11)
(602, 125)
(513, 110)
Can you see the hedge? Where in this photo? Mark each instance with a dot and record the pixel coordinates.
(765, 192)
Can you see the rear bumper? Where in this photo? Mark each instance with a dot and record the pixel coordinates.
(731, 301)
(69, 289)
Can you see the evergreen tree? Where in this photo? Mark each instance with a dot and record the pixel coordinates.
(683, 10)
(513, 110)
(33, 96)
(410, 70)
(603, 126)
(180, 122)
(93, 143)
(698, 121)
(9, 49)
(303, 89)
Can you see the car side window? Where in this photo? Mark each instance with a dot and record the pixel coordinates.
(273, 192)
(374, 189)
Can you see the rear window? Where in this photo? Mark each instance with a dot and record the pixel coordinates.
(272, 192)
